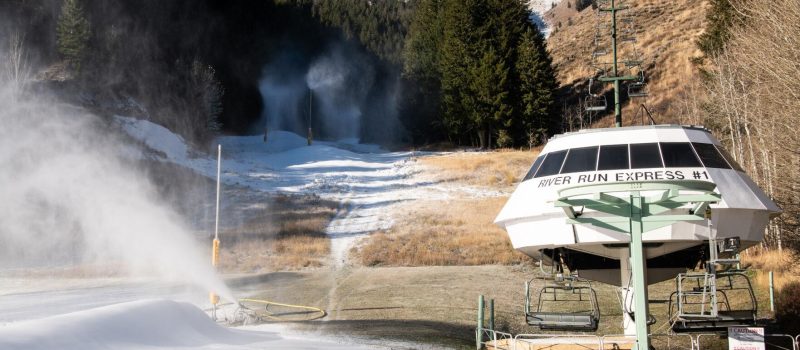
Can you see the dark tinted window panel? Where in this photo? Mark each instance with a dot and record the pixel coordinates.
(580, 159)
(729, 158)
(645, 155)
(710, 156)
(534, 167)
(613, 157)
(679, 155)
(551, 164)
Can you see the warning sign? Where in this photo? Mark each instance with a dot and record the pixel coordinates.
(746, 338)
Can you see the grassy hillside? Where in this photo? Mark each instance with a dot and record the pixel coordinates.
(666, 43)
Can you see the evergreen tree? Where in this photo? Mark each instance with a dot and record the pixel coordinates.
(455, 62)
(381, 26)
(495, 76)
(537, 88)
(421, 83)
(490, 110)
(72, 33)
(421, 56)
(506, 25)
(207, 94)
(719, 19)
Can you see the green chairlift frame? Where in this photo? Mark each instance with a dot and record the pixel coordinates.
(634, 213)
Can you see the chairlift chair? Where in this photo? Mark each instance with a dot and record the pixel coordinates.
(630, 63)
(594, 102)
(599, 53)
(705, 305)
(564, 294)
(638, 88)
(702, 308)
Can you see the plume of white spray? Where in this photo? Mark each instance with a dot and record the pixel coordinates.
(282, 103)
(67, 197)
(339, 92)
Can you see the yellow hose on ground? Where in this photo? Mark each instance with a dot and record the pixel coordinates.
(319, 313)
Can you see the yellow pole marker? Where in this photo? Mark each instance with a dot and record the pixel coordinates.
(213, 297)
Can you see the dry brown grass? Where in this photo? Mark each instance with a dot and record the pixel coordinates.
(442, 233)
(502, 168)
(665, 41)
(781, 263)
(288, 236)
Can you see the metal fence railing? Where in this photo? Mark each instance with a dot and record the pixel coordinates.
(541, 341)
(496, 340)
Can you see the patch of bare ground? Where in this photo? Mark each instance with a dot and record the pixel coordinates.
(435, 305)
(500, 169)
(289, 235)
(453, 232)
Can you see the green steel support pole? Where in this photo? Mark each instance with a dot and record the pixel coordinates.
(639, 267)
(479, 330)
(771, 293)
(617, 107)
(491, 314)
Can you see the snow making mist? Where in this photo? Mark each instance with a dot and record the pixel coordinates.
(69, 199)
(283, 91)
(326, 93)
(340, 86)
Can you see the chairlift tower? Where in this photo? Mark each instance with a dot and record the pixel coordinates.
(615, 77)
(620, 31)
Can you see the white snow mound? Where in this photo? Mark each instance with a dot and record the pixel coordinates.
(148, 324)
(155, 137)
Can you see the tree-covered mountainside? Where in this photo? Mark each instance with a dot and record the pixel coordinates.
(472, 72)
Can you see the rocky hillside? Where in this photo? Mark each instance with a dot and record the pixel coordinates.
(665, 39)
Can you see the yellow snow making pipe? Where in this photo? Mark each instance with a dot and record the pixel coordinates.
(317, 312)
(213, 297)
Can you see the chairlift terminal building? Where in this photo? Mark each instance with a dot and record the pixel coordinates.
(637, 153)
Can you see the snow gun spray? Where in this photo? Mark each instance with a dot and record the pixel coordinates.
(213, 297)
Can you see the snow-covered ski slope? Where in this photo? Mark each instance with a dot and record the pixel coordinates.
(147, 324)
(366, 179)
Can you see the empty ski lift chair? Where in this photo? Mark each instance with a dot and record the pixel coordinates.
(702, 301)
(565, 295)
(638, 88)
(628, 34)
(599, 53)
(594, 102)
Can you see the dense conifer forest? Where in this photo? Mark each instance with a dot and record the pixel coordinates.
(472, 73)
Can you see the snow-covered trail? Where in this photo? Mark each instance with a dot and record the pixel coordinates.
(366, 180)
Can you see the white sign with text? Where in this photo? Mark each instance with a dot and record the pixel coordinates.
(746, 338)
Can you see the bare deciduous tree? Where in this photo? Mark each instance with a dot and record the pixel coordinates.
(16, 70)
(755, 102)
